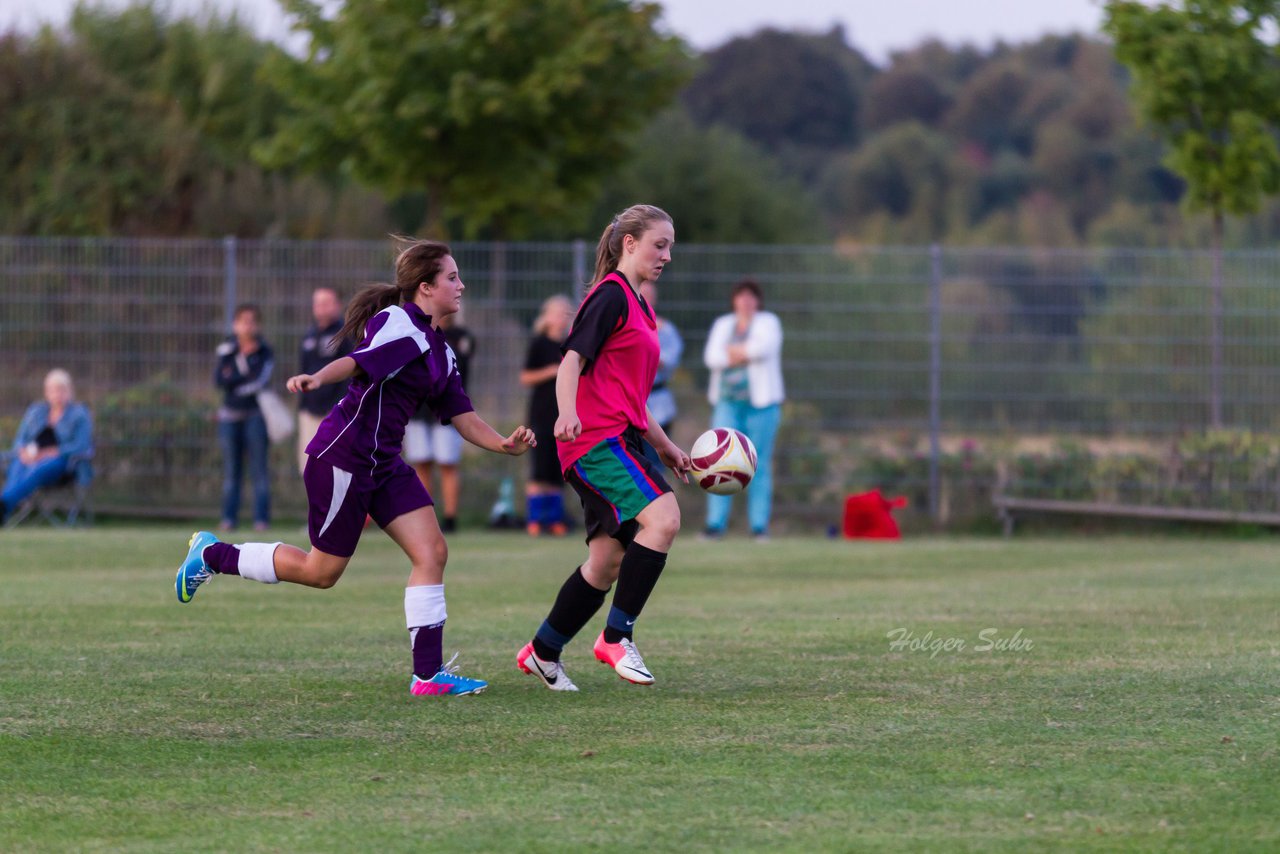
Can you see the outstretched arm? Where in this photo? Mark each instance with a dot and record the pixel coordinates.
(477, 431)
(334, 372)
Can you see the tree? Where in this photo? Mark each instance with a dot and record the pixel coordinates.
(1206, 76)
(949, 66)
(777, 88)
(717, 186)
(206, 67)
(133, 122)
(903, 95)
(81, 153)
(902, 172)
(506, 114)
(986, 109)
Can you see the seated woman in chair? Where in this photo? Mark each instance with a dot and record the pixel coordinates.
(55, 435)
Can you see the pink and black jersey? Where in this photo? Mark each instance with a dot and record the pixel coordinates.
(405, 362)
(616, 333)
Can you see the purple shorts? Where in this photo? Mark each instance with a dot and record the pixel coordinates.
(340, 500)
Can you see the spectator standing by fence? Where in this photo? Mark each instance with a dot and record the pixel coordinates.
(662, 402)
(321, 345)
(744, 353)
(544, 490)
(245, 364)
(53, 435)
(428, 443)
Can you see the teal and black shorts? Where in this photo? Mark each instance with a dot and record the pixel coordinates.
(615, 481)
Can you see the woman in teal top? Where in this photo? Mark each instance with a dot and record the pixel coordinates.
(55, 435)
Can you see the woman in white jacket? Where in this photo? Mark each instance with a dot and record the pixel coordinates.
(744, 353)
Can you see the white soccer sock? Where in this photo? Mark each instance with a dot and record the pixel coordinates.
(258, 562)
(423, 606)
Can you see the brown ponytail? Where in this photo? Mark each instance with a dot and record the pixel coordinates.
(367, 302)
(420, 261)
(634, 221)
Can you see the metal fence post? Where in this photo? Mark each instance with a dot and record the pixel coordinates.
(498, 273)
(579, 267)
(228, 281)
(935, 381)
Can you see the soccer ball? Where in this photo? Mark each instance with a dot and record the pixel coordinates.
(724, 461)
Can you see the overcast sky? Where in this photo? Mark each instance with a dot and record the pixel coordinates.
(877, 27)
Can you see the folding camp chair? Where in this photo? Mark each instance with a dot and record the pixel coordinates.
(63, 504)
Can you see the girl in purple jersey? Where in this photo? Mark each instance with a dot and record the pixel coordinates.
(354, 466)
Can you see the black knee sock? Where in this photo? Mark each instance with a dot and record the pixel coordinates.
(641, 567)
(575, 605)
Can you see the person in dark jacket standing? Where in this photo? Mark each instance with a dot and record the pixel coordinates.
(245, 363)
(320, 346)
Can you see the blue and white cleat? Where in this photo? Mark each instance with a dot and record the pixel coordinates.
(446, 681)
(194, 571)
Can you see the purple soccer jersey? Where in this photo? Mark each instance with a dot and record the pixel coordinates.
(405, 361)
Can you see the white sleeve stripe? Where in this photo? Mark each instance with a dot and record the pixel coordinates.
(255, 386)
(398, 325)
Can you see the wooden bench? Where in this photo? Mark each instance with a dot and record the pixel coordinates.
(1008, 506)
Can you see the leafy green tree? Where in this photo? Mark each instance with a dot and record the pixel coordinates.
(777, 88)
(901, 172)
(986, 110)
(80, 152)
(1000, 186)
(506, 114)
(903, 95)
(1206, 74)
(948, 66)
(133, 122)
(205, 67)
(717, 186)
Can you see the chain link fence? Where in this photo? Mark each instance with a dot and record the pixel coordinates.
(932, 372)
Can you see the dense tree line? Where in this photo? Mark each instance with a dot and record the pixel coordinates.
(492, 120)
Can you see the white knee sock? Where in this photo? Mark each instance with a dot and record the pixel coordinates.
(424, 606)
(258, 562)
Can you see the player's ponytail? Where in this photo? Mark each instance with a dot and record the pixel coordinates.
(420, 261)
(367, 302)
(634, 221)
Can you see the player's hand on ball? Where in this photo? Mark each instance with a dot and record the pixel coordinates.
(568, 427)
(302, 382)
(675, 459)
(520, 440)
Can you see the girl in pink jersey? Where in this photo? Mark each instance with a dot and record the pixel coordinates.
(354, 469)
(632, 517)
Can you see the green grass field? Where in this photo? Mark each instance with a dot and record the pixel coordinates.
(1143, 715)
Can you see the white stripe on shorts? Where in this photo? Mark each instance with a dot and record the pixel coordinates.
(341, 482)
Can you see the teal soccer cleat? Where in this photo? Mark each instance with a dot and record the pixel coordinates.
(194, 571)
(446, 681)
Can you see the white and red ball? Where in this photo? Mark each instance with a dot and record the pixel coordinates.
(724, 461)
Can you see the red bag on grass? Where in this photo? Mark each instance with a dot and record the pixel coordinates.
(868, 516)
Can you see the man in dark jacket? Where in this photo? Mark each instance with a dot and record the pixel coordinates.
(319, 347)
